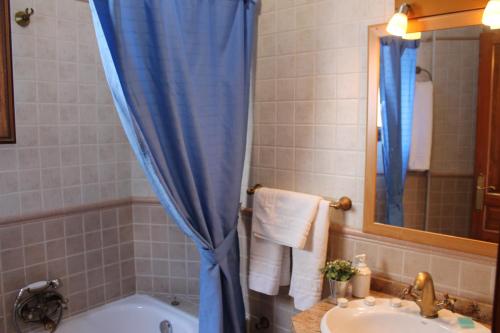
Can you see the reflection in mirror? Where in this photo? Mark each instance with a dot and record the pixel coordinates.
(426, 154)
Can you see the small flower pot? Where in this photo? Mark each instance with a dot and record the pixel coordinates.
(338, 289)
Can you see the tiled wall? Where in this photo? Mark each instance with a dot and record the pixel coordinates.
(451, 204)
(310, 97)
(70, 147)
(92, 252)
(414, 200)
(166, 262)
(70, 151)
(455, 84)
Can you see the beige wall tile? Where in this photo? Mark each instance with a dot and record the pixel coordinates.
(389, 261)
(415, 262)
(475, 278)
(445, 271)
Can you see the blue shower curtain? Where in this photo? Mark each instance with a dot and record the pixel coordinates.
(398, 59)
(179, 73)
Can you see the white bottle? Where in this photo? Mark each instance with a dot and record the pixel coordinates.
(361, 280)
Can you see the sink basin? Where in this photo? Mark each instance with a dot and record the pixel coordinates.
(383, 318)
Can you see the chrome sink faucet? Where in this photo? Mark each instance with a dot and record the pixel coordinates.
(423, 294)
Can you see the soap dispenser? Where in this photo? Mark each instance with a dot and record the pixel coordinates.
(361, 280)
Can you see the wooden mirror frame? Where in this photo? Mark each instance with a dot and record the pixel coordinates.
(375, 32)
(7, 123)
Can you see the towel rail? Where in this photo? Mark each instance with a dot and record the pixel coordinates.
(344, 203)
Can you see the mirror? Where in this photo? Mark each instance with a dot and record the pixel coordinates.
(439, 185)
(7, 125)
(432, 169)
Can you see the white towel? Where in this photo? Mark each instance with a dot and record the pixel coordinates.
(307, 280)
(269, 266)
(283, 217)
(279, 219)
(421, 138)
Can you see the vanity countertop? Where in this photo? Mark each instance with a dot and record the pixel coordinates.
(308, 321)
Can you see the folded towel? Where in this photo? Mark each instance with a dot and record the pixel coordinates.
(307, 280)
(421, 137)
(283, 217)
(269, 266)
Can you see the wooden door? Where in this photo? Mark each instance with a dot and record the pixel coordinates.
(486, 212)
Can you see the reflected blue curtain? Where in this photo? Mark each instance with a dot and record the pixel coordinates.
(179, 73)
(398, 59)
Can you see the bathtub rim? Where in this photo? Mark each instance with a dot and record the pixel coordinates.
(136, 300)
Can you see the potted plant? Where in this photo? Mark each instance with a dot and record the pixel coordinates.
(338, 272)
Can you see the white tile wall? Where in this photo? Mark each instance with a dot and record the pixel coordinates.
(70, 147)
(310, 99)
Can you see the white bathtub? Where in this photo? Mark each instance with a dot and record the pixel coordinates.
(134, 314)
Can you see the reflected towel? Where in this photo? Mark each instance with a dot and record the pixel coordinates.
(307, 280)
(421, 137)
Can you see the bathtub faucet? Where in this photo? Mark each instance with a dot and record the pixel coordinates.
(166, 327)
(39, 303)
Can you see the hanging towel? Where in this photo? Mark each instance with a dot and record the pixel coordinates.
(280, 220)
(421, 138)
(283, 217)
(307, 280)
(269, 266)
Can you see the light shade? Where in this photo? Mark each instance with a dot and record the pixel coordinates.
(412, 35)
(398, 24)
(491, 15)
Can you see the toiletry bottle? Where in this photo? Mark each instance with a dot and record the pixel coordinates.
(361, 280)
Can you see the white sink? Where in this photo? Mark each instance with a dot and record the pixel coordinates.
(383, 318)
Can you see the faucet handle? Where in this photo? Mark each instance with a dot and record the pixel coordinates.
(64, 303)
(447, 303)
(406, 291)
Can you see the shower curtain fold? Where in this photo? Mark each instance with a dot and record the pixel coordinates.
(398, 59)
(179, 74)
